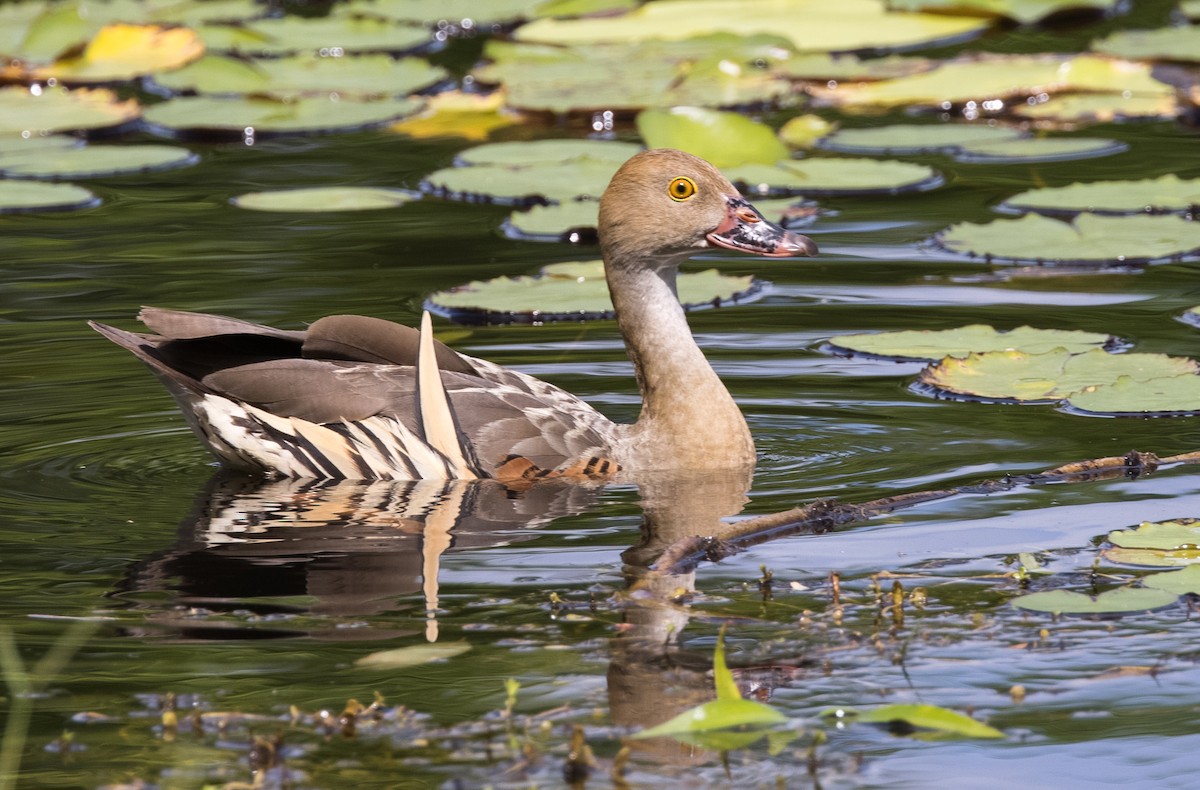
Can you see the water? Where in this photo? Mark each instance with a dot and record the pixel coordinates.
(244, 601)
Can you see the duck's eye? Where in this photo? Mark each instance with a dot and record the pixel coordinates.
(681, 188)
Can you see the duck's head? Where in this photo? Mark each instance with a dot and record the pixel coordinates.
(664, 205)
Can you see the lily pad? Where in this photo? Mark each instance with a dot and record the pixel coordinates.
(1088, 239)
(1177, 534)
(933, 345)
(1165, 43)
(470, 116)
(1181, 582)
(259, 116)
(20, 197)
(536, 152)
(1015, 376)
(412, 656)
(1152, 558)
(813, 25)
(725, 139)
(571, 221)
(324, 199)
(1080, 108)
(119, 52)
(930, 717)
(299, 75)
(332, 35)
(1123, 600)
(916, 138)
(559, 182)
(1174, 396)
(833, 69)
(477, 14)
(1039, 149)
(1024, 11)
(1162, 194)
(43, 110)
(993, 82)
(803, 131)
(573, 292)
(830, 176)
(94, 161)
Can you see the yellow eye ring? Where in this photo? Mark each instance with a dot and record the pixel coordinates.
(681, 188)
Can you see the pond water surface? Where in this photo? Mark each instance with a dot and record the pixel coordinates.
(256, 600)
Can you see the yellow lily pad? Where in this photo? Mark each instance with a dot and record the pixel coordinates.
(470, 116)
(122, 52)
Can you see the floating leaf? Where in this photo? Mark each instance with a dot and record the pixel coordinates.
(571, 221)
(827, 68)
(471, 116)
(930, 717)
(1039, 149)
(548, 152)
(976, 338)
(93, 161)
(1165, 193)
(1165, 43)
(333, 35)
(412, 656)
(1018, 376)
(725, 139)
(804, 130)
(573, 292)
(1097, 108)
(1024, 11)
(523, 184)
(324, 199)
(43, 110)
(1181, 582)
(261, 116)
(814, 25)
(1088, 239)
(120, 52)
(479, 13)
(1152, 558)
(299, 75)
(1177, 534)
(912, 138)
(828, 176)
(19, 197)
(1172, 396)
(1122, 600)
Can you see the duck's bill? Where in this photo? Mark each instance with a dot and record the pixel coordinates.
(745, 230)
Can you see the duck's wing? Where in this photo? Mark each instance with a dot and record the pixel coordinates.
(347, 399)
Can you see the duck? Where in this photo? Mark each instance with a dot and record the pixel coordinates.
(358, 397)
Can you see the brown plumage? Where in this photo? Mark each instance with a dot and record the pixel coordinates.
(358, 397)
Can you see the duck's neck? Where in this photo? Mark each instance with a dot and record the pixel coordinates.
(688, 420)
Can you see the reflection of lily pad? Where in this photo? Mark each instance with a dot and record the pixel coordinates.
(814, 25)
(830, 176)
(1162, 396)
(977, 338)
(1123, 600)
(1018, 376)
(520, 184)
(1089, 238)
(1165, 43)
(1181, 582)
(93, 161)
(263, 116)
(324, 199)
(725, 139)
(573, 292)
(1165, 193)
(19, 197)
(44, 110)
(363, 75)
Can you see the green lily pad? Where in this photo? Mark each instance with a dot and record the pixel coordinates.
(1152, 558)
(324, 199)
(1165, 193)
(712, 71)
(929, 717)
(830, 176)
(573, 292)
(994, 81)
(298, 75)
(1174, 535)
(1024, 11)
(1080, 108)
(44, 110)
(193, 14)
(561, 182)
(93, 161)
(827, 68)
(814, 25)
(1122, 600)
(933, 345)
(536, 152)
(725, 139)
(1180, 582)
(263, 117)
(1039, 149)
(332, 35)
(572, 221)
(916, 138)
(1177, 395)
(412, 656)
(480, 14)
(20, 197)
(1050, 376)
(1088, 239)
(1190, 9)
(1164, 43)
